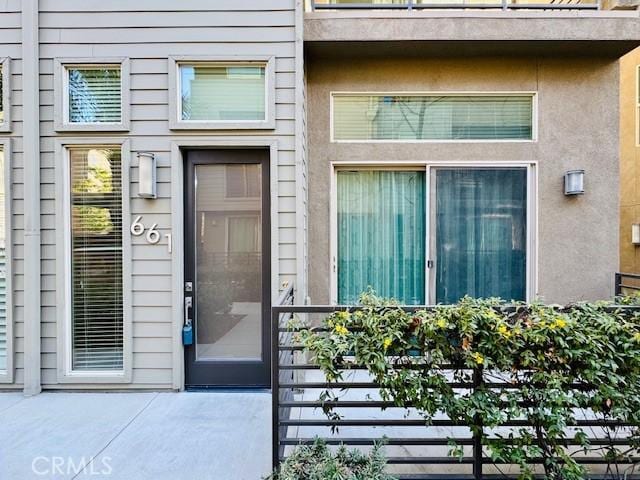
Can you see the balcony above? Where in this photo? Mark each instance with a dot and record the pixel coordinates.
(472, 27)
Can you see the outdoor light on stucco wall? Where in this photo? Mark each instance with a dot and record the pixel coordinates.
(635, 233)
(146, 175)
(574, 182)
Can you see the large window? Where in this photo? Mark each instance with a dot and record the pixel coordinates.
(96, 259)
(363, 117)
(5, 95)
(473, 239)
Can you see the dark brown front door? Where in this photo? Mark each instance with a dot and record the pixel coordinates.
(227, 267)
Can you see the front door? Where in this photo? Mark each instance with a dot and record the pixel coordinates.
(227, 267)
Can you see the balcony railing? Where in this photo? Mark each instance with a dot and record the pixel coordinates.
(454, 4)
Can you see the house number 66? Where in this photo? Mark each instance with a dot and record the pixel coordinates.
(152, 236)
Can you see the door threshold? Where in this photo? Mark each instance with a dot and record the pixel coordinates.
(227, 389)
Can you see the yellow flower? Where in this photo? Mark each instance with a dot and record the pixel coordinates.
(343, 315)
(502, 329)
(341, 329)
(561, 322)
(478, 358)
(387, 343)
(442, 323)
(636, 337)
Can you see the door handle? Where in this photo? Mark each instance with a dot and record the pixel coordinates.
(188, 305)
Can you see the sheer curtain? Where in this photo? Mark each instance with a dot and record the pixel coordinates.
(381, 234)
(481, 236)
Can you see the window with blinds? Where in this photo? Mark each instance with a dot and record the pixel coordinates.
(96, 259)
(95, 94)
(3, 270)
(431, 117)
(211, 92)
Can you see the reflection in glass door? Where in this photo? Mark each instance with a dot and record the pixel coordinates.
(224, 245)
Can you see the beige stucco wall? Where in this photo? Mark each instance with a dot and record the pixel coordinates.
(629, 162)
(578, 128)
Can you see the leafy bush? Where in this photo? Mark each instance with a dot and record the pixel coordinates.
(563, 360)
(318, 462)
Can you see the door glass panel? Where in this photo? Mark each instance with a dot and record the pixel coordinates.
(381, 235)
(228, 247)
(481, 233)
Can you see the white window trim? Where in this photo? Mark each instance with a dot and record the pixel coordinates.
(6, 376)
(427, 167)
(175, 89)
(534, 117)
(61, 97)
(63, 277)
(5, 71)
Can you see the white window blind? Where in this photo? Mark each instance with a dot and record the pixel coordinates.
(3, 270)
(223, 92)
(95, 95)
(96, 257)
(430, 117)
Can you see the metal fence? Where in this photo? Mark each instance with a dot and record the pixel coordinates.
(459, 4)
(415, 449)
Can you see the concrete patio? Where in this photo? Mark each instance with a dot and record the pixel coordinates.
(172, 436)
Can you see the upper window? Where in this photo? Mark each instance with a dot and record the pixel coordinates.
(92, 96)
(428, 117)
(5, 89)
(223, 95)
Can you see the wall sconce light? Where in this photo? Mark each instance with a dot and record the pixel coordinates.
(146, 175)
(574, 182)
(635, 233)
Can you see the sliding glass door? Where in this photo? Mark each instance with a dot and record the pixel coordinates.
(381, 234)
(480, 233)
(476, 230)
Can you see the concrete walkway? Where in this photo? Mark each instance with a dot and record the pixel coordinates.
(135, 436)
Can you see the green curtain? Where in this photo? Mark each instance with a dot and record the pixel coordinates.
(381, 235)
(481, 237)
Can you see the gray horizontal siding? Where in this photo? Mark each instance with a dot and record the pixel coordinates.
(148, 32)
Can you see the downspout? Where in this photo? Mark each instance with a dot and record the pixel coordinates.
(31, 161)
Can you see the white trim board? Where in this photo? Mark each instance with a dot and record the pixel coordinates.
(427, 166)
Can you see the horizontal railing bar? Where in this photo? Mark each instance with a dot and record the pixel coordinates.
(278, 309)
(432, 423)
(425, 442)
(453, 6)
(631, 287)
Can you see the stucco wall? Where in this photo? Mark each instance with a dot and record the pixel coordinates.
(578, 128)
(629, 161)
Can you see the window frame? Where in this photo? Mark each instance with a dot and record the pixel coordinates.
(637, 105)
(7, 375)
(175, 89)
(64, 274)
(61, 94)
(531, 93)
(5, 71)
(430, 241)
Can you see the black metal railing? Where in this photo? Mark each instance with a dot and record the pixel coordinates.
(454, 4)
(415, 449)
(627, 284)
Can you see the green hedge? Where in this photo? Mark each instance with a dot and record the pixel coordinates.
(563, 359)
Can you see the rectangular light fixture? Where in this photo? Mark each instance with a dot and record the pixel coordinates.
(146, 175)
(574, 182)
(635, 233)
